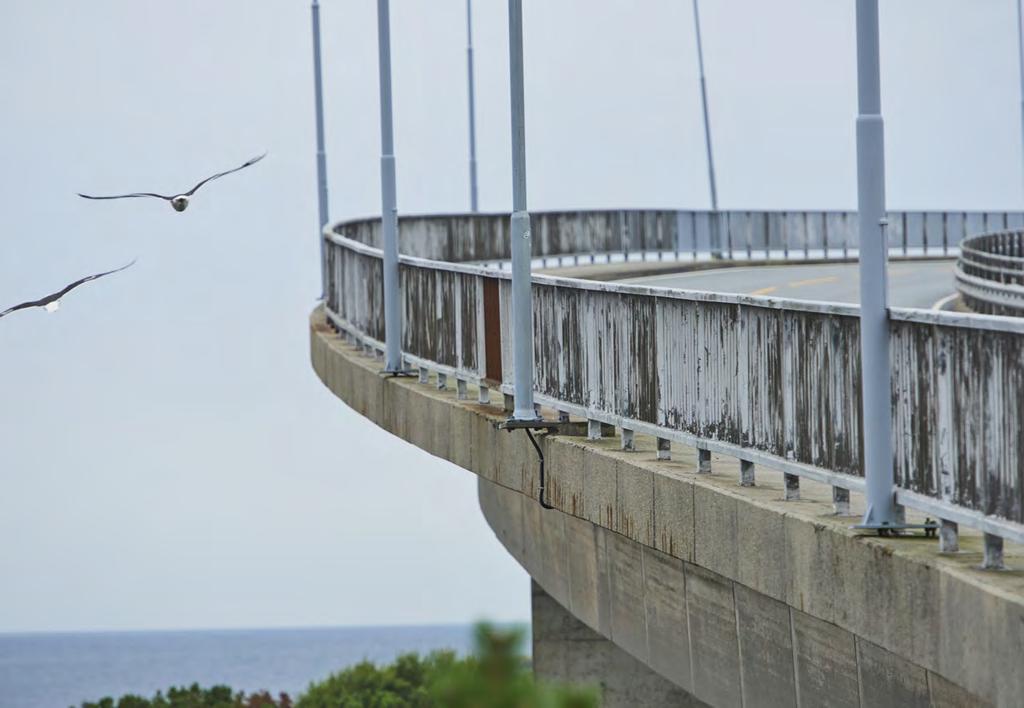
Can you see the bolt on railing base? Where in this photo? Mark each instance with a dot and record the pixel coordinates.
(398, 373)
(929, 527)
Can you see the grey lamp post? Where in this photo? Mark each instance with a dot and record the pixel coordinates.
(473, 205)
(522, 306)
(881, 510)
(321, 156)
(389, 208)
(715, 246)
(1020, 58)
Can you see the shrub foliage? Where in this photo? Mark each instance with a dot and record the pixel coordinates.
(496, 675)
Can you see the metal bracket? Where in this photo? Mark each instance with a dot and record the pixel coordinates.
(537, 424)
(929, 527)
(400, 373)
(529, 426)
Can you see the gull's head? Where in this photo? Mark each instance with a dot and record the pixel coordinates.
(52, 306)
(180, 202)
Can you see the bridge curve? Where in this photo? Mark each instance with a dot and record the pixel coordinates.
(771, 384)
(990, 273)
(706, 592)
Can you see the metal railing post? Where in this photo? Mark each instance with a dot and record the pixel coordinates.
(874, 314)
(473, 204)
(522, 306)
(321, 155)
(389, 208)
(716, 231)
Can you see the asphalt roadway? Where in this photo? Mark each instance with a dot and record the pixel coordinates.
(924, 284)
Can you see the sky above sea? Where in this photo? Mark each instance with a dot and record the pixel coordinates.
(168, 459)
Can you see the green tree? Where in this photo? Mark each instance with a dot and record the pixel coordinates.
(499, 677)
(496, 675)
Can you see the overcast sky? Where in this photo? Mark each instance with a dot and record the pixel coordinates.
(168, 459)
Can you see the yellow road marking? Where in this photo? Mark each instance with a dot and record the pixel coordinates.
(813, 281)
(764, 291)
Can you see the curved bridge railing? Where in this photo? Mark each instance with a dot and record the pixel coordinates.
(589, 236)
(990, 273)
(766, 380)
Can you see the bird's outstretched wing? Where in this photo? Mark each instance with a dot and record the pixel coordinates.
(42, 302)
(127, 196)
(253, 161)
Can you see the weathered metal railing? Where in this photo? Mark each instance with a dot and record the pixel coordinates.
(990, 273)
(587, 236)
(769, 381)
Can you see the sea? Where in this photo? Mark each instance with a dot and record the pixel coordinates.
(58, 670)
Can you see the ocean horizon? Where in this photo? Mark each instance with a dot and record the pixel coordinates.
(61, 669)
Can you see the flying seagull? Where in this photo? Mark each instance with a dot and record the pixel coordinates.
(51, 303)
(180, 201)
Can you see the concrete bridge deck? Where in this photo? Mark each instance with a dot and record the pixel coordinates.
(730, 594)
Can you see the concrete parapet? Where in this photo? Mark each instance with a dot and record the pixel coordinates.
(700, 579)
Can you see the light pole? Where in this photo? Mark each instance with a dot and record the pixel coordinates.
(522, 305)
(1020, 59)
(389, 208)
(716, 246)
(882, 512)
(473, 205)
(321, 156)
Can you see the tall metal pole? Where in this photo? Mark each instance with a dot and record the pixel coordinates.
(716, 246)
(874, 314)
(473, 205)
(1020, 57)
(522, 306)
(321, 155)
(389, 208)
(704, 104)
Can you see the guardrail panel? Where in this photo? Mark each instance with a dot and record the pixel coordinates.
(958, 413)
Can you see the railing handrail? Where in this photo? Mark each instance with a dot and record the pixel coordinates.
(989, 281)
(905, 314)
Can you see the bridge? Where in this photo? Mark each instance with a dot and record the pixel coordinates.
(709, 464)
(723, 498)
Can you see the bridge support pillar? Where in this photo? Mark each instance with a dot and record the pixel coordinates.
(567, 651)
(461, 390)
(483, 395)
(424, 375)
(442, 381)
(949, 537)
(508, 402)
(993, 553)
(593, 429)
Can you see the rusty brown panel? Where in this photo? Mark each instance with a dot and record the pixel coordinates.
(492, 329)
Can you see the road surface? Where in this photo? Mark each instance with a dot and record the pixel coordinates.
(911, 283)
